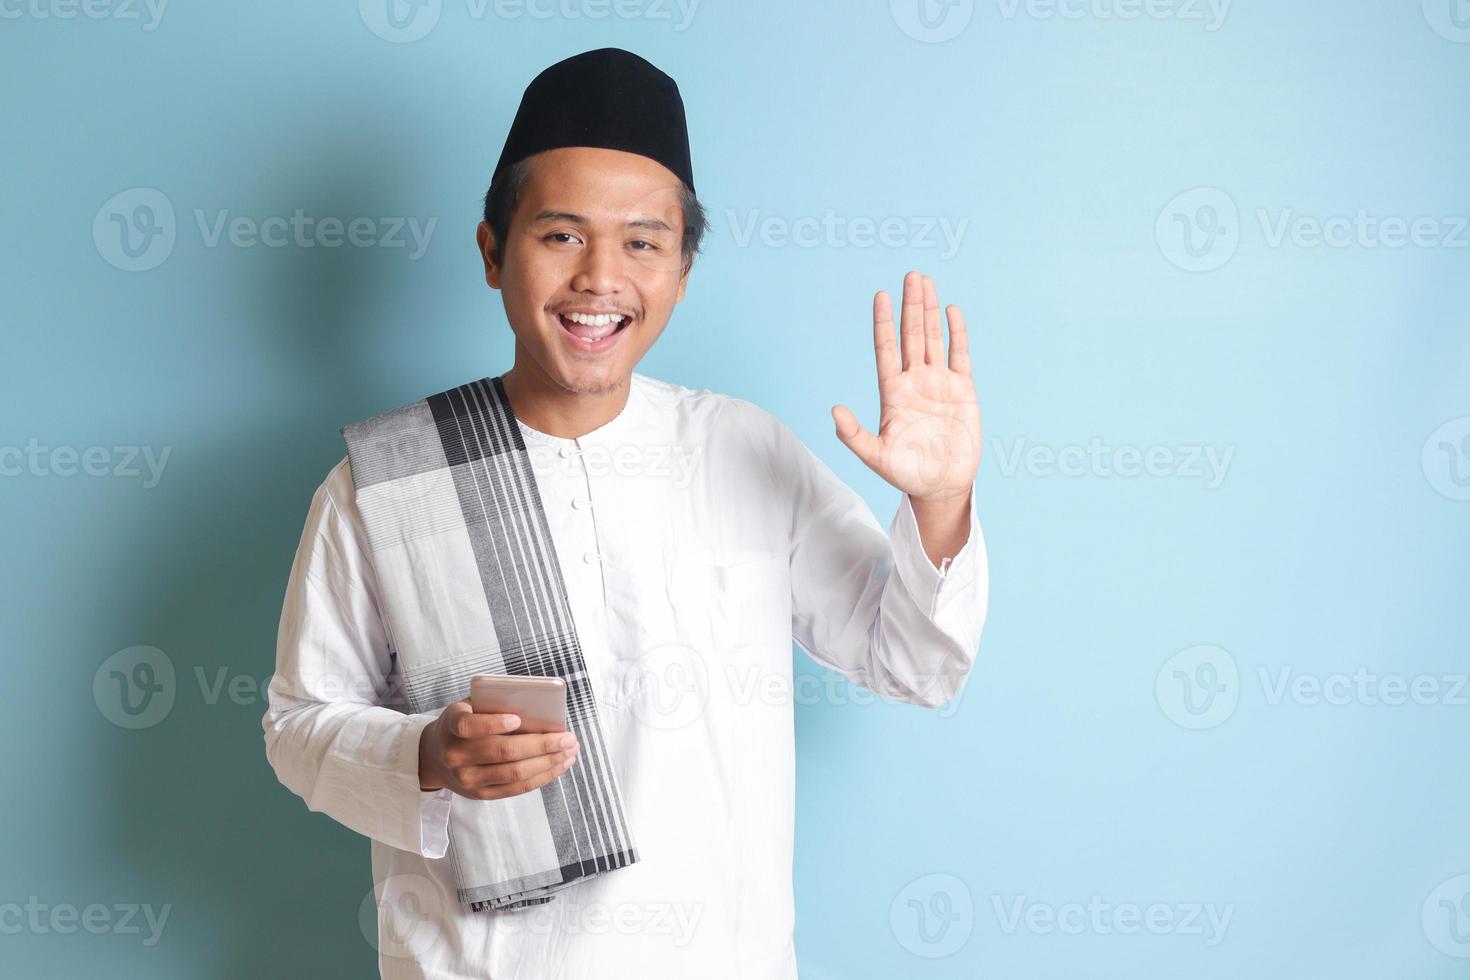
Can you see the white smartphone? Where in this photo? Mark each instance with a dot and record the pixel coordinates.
(541, 702)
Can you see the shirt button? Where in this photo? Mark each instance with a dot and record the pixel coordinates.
(589, 557)
(579, 502)
(564, 451)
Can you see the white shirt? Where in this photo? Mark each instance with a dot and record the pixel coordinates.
(697, 537)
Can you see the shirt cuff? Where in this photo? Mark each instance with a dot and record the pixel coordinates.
(931, 587)
(431, 816)
(434, 822)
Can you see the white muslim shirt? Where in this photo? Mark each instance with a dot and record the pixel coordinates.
(697, 537)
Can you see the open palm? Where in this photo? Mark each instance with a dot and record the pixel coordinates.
(928, 441)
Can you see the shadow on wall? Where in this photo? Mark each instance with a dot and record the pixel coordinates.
(275, 889)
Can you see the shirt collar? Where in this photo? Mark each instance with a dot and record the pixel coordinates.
(606, 429)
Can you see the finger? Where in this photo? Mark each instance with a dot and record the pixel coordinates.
(933, 332)
(854, 436)
(522, 770)
(911, 325)
(505, 748)
(503, 790)
(461, 722)
(885, 346)
(959, 341)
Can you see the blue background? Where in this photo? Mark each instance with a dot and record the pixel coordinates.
(1336, 377)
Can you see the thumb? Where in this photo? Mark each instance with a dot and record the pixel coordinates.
(453, 710)
(862, 442)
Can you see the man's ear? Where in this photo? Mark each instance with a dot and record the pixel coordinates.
(485, 238)
(683, 282)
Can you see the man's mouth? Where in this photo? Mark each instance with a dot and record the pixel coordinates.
(592, 331)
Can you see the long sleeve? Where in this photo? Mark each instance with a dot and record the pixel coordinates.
(337, 731)
(870, 605)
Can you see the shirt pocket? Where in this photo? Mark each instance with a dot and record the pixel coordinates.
(734, 608)
(734, 615)
(640, 623)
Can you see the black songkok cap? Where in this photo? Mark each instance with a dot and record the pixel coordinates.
(609, 98)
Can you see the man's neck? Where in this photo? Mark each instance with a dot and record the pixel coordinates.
(547, 407)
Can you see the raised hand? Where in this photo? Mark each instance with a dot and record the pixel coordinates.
(928, 441)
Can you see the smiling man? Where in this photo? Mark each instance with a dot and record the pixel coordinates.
(655, 546)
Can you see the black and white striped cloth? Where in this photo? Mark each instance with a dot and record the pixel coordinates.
(470, 584)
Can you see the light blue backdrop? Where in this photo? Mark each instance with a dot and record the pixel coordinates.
(1214, 261)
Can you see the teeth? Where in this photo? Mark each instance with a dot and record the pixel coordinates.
(600, 320)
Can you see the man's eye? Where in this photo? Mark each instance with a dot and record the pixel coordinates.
(651, 245)
(559, 234)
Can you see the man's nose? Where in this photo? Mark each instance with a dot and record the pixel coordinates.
(601, 268)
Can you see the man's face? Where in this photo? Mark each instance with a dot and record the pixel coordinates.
(596, 231)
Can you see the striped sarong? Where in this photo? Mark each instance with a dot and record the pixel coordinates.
(471, 584)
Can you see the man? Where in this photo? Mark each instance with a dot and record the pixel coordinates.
(658, 547)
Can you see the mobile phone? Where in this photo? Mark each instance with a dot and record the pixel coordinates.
(540, 702)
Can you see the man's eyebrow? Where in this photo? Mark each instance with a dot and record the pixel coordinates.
(648, 224)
